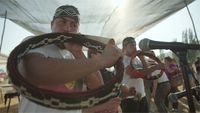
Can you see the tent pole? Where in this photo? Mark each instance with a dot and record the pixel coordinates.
(3, 30)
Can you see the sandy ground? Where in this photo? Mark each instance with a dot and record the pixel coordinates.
(13, 104)
(183, 106)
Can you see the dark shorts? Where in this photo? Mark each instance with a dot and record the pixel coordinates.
(133, 106)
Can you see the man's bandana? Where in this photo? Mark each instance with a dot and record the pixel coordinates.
(67, 11)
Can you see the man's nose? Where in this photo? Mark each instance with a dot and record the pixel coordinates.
(68, 27)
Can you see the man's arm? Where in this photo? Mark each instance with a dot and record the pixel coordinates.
(41, 70)
(94, 80)
(153, 68)
(154, 88)
(133, 73)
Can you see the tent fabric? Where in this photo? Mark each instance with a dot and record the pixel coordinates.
(97, 17)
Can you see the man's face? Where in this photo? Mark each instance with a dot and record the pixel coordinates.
(64, 25)
(167, 62)
(130, 48)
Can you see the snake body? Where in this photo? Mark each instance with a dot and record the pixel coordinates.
(60, 100)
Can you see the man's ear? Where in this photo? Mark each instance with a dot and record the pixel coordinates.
(124, 49)
(51, 24)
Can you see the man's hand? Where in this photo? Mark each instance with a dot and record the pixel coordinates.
(110, 55)
(75, 49)
(161, 66)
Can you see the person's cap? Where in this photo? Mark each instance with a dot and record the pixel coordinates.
(67, 11)
(128, 40)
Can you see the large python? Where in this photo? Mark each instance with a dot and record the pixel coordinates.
(58, 100)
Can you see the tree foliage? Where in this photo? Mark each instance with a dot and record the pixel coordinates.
(189, 38)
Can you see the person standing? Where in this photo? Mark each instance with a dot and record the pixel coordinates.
(137, 103)
(129, 104)
(161, 89)
(132, 78)
(197, 65)
(64, 67)
(171, 69)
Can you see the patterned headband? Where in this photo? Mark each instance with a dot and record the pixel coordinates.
(67, 11)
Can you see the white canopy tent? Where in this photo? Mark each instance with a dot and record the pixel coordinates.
(104, 18)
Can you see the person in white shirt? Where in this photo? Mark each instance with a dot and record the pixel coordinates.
(131, 104)
(64, 67)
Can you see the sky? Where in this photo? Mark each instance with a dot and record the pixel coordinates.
(168, 30)
(171, 28)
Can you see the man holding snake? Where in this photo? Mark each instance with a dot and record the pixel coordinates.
(64, 67)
